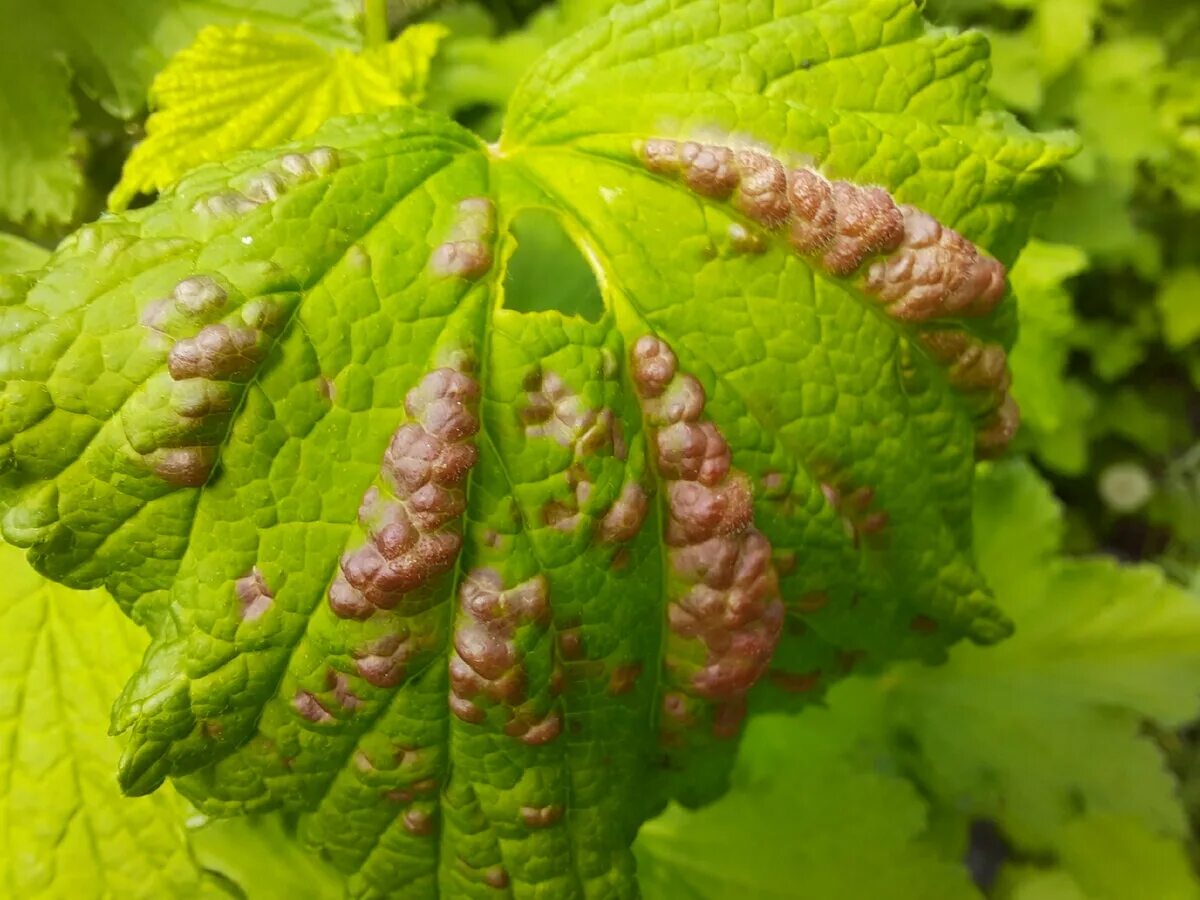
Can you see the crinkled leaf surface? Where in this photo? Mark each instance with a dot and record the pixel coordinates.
(114, 50)
(454, 582)
(244, 86)
(65, 828)
(1049, 724)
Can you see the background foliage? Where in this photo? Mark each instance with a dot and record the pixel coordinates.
(1059, 764)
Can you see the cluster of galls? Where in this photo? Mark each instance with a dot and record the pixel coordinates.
(552, 410)
(467, 250)
(289, 170)
(412, 520)
(177, 424)
(723, 590)
(980, 370)
(487, 668)
(926, 271)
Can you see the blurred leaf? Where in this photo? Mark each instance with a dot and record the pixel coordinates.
(1047, 321)
(19, 255)
(1048, 725)
(1104, 857)
(808, 815)
(1178, 301)
(114, 56)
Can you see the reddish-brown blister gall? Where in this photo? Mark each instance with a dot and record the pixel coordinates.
(625, 517)
(868, 223)
(541, 816)
(762, 189)
(308, 706)
(725, 592)
(412, 520)
(709, 169)
(935, 273)
(486, 668)
(467, 250)
(184, 466)
(998, 429)
(661, 156)
(217, 352)
(253, 595)
(814, 215)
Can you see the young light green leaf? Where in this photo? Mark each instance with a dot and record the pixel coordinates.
(114, 55)
(808, 815)
(475, 591)
(244, 86)
(65, 828)
(1178, 302)
(1049, 724)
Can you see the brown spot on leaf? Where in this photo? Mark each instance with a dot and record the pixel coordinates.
(811, 602)
(253, 594)
(923, 624)
(307, 704)
(418, 822)
(624, 678)
(541, 816)
(936, 272)
(185, 466)
(795, 682)
(217, 352)
(496, 877)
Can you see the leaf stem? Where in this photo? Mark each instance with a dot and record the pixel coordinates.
(375, 23)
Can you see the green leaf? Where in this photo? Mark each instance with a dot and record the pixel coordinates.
(808, 815)
(113, 55)
(1105, 857)
(262, 856)
(1048, 725)
(474, 591)
(1178, 301)
(1048, 321)
(19, 255)
(243, 86)
(65, 829)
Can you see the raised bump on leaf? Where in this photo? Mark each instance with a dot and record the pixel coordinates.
(413, 530)
(467, 249)
(922, 270)
(724, 610)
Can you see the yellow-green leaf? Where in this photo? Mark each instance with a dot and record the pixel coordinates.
(244, 86)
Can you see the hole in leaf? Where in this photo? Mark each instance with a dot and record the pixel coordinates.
(547, 271)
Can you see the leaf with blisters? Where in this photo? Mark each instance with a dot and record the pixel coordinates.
(475, 591)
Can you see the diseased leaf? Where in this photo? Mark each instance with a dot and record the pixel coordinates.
(475, 591)
(114, 51)
(244, 86)
(65, 828)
